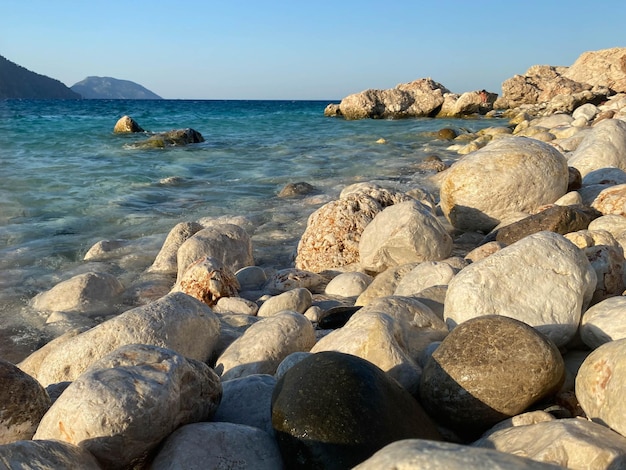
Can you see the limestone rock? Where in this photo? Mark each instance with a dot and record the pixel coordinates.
(570, 443)
(265, 344)
(488, 369)
(609, 176)
(248, 400)
(604, 322)
(176, 321)
(296, 189)
(208, 281)
(331, 238)
(612, 223)
(23, 401)
(383, 196)
(606, 67)
(611, 200)
(227, 243)
(421, 454)
(350, 284)
(600, 385)
(232, 446)
(558, 219)
(332, 110)
(166, 261)
(292, 278)
(468, 103)
(236, 306)
(128, 401)
(543, 280)
(403, 233)
(125, 125)
(46, 455)
(296, 300)
(89, 293)
(385, 283)
(418, 98)
(604, 146)
(423, 276)
(482, 188)
(334, 410)
(251, 277)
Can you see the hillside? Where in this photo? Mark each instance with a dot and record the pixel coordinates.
(112, 89)
(16, 82)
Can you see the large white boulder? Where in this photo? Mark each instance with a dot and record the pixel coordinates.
(543, 280)
(511, 174)
(604, 146)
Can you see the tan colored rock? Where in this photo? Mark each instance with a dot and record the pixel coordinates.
(208, 281)
(403, 233)
(126, 403)
(482, 188)
(423, 276)
(600, 385)
(125, 125)
(611, 200)
(166, 261)
(176, 321)
(385, 283)
(265, 344)
(604, 322)
(543, 280)
(350, 284)
(606, 67)
(296, 300)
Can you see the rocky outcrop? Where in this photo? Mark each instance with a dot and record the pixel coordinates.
(605, 68)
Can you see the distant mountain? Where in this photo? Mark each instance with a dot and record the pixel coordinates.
(17, 82)
(112, 89)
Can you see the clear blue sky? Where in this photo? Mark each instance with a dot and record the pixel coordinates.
(322, 49)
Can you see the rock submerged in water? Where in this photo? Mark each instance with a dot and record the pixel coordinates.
(127, 125)
(174, 138)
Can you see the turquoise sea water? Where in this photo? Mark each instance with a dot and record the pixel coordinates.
(67, 181)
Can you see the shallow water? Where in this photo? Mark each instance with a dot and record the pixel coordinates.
(67, 181)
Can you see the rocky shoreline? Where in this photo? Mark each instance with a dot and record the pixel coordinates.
(481, 325)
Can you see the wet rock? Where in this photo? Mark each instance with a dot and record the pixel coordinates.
(125, 125)
(446, 134)
(296, 189)
(334, 410)
(488, 369)
(174, 138)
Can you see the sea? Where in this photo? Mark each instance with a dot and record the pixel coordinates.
(67, 181)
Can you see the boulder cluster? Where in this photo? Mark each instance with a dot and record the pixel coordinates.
(479, 325)
(591, 79)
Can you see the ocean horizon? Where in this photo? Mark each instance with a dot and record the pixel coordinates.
(69, 181)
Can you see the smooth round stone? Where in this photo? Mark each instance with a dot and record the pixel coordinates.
(46, 455)
(251, 277)
(489, 369)
(351, 284)
(334, 410)
(297, 300)
(604, 322)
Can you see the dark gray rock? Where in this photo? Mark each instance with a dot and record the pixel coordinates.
(333, 410)
(46, 455)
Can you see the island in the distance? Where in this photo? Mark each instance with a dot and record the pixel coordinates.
(112, 89)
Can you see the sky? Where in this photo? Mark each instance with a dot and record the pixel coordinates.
(318, 50)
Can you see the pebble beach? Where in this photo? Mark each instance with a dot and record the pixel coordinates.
(468, 313)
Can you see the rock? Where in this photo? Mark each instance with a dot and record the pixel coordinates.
(248, 400)
(227, 243)
(208, 281)
(558, 219)
(482, 188)
(606, 257)
(604, 322)
(251, 278)
(607, 176)
(46, 455)
(604, 146)
(550, 280)
(420, 454)
(166, 261)
(334, 410)
(385, 283)
(265, 344)
(173, 138)
(488, 369)
(331, 238)
(570, 443)
(423, 276)
(471, 102)
(176, 321)
(231, 446)
(291, 278)
(587, 111)
(446, 134)
(403, 233)
(336, 317)
(612, 223)
(539, 84)
(383, 196)
(296, 189)
(573, 198)
(350, 284)
(235, 306)
(332, 110)
(483, 251)
(89, 293)
(611, 200)
(232, 327)
(127, 402)
(415, 99)
(600, 385)
(297, 300)
(126, 124)
(606, 67)
(23, 401)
